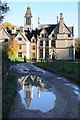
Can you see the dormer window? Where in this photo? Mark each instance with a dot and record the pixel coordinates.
(20, 39)
(53, 35)
(69, 35)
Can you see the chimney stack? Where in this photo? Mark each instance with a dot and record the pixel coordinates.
(61, 16)
(38, 22)
(61, 25)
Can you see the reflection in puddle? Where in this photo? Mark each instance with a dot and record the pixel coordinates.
(36, 95)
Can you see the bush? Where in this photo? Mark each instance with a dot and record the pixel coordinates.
(9, 90)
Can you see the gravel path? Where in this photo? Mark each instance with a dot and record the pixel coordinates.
(67, 95)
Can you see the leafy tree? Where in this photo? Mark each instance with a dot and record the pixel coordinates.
(13, 47)
(7, 25)
(3, 10)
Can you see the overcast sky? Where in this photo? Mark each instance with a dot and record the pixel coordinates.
(47, 11)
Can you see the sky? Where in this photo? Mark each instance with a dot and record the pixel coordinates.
(47, 11)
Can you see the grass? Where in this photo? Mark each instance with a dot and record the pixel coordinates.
(16, 61)
(9, 90)
(66, 68)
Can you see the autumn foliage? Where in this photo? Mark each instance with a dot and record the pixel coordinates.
(13, 46)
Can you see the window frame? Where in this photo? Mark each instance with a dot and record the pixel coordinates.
(33, 47)
(47, 43)
(53, 43)
(41, 43)
(5, 40)
(20, 54)
(20, 39)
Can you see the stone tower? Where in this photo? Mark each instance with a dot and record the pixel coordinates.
(28, 20)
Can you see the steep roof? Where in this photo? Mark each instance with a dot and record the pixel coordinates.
(29, 35)
(50, 29)
(28, 12)
(4, 34)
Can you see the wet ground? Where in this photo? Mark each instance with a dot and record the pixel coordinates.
(42, 94)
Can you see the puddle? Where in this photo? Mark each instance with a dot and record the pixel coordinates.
(36, 95)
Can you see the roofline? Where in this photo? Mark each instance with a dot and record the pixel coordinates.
(6, 32)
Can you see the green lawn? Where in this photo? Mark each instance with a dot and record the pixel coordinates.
(66, 68)
(16, 61)
(9, 90)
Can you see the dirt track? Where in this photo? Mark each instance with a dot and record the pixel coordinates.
(67, 95)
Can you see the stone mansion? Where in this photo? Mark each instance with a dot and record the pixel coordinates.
(48, 41)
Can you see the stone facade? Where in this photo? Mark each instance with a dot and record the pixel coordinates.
(49, 41)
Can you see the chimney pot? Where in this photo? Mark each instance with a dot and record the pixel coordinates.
(61, 15)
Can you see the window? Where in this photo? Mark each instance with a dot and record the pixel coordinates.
(47, 43)
(20, 47)
(69, 35)
(6, 40)
(33, 41)
(42, 35)
(47, 53)
(41, 53)
(53, 43)
(20, 39)
(19, 54)
(41, 43)
(33, 55)
(28, 20)
(53, 35)
(45, 36)
(33, 47)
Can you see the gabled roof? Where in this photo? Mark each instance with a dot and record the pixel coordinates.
(29, 35)
(50, 29)
(66, 29)
(46, 25)
(4, 34)
(23, 36)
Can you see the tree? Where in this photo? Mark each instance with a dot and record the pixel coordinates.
(13, 47)
(3, 10)
(7, 25)
(77, 47)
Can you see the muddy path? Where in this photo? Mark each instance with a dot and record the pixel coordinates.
(33, 81)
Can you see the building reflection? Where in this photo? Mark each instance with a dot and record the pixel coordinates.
(28, 88)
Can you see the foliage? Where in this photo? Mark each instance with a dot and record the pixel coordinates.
(13, 47)
(7, 25)
(4, 51)
(77, 47)
(9, 89)
(3, 10)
